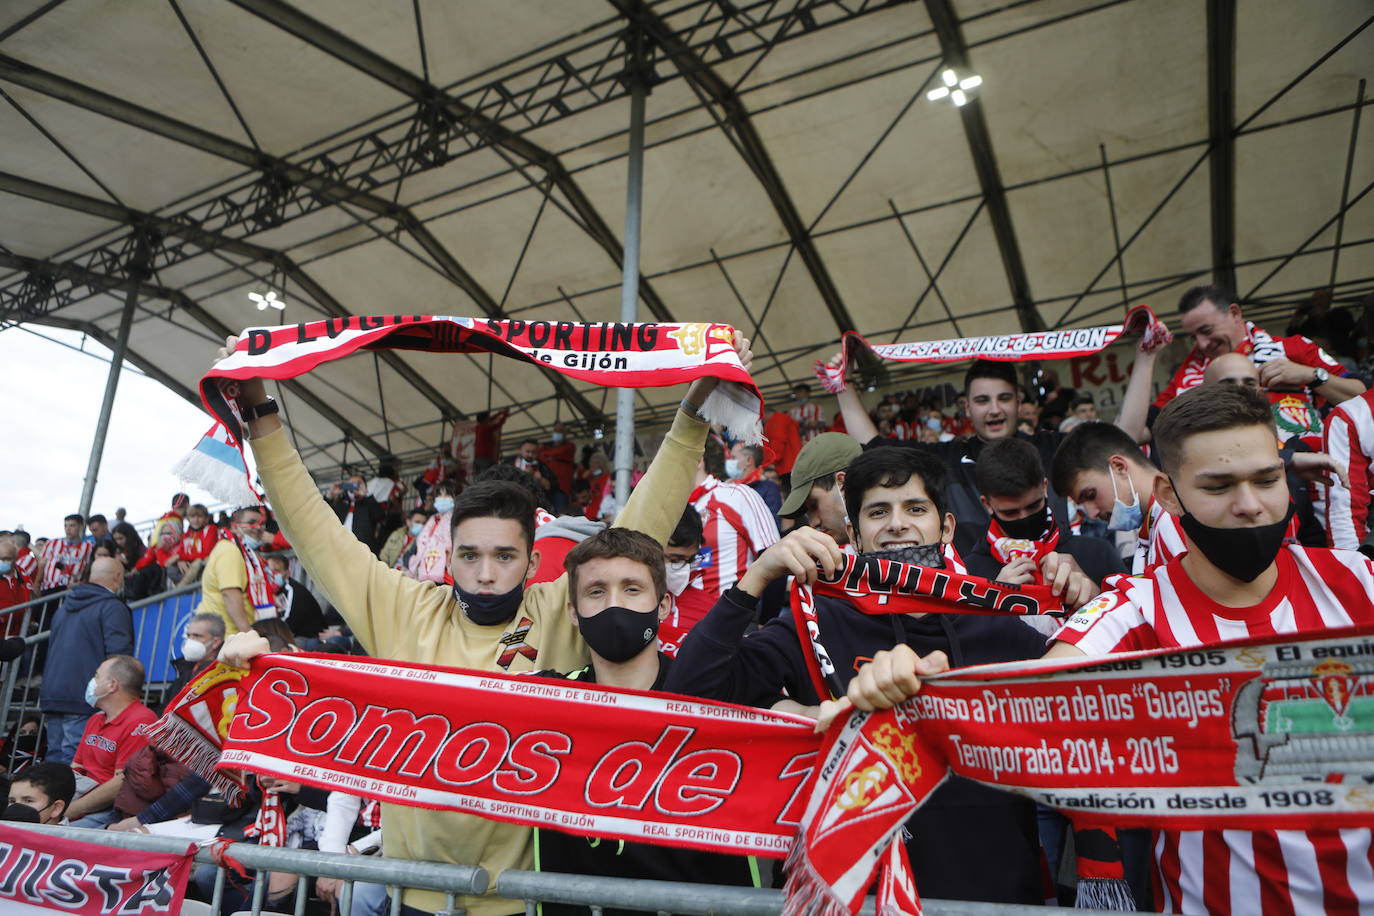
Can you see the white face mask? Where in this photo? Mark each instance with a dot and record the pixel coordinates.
(193, 650)
(1125, 517)
(443, 504)
(677, 574)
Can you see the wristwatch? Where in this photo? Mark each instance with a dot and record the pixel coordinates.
(258, 411)
(1319, 378)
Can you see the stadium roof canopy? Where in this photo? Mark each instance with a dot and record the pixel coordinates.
(468, 158)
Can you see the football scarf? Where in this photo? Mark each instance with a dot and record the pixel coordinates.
(1002, 347)
(260, 591)
(1005, 548)
(612, 354)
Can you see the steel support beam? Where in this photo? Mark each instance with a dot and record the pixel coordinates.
(955, 53)
(751, 147)
(211, 241)
(365, 60)
(142, 363)
(184, 303)
(1221, 121)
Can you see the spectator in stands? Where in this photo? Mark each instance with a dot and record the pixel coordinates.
(296, 607)
(14, 589)
(486, 439)
(1027, 415)
(200, 538)
(117, 731)
(128, 545)
(969, 842)
(527, 460)
(1055, 402)
(26, 561)
(737, 523)
(690, 603)
(64, 560)
(45, 787)
(617, 599)
(120, 513)
(810, 420)
(1213, 318)
(817, 494)
(234, 584)
(1024, 544)
(403, 537)
(599, 481)
(98, 527)
(92, 624)
(356, 508)
(560, 455)
(429, 557)
(1083, 407)
(150, 574)
(745, 466)
(783, 436)
(200, 647)
(105, 548)
(181, 503)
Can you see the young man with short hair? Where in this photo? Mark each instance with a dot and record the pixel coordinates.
(969, 842)
(617, 600)
(489, 620)
(1024, 543)
(63, 561)
(1224, 480)
(690, 603)
(234, 584)
(47, 788)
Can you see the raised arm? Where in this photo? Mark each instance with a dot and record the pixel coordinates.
(857, 422)
(1135, 403)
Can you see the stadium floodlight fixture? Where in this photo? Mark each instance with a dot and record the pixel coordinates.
(268, 300)
(955, 89)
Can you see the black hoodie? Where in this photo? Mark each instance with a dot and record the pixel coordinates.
(968, 842)
(92, 624)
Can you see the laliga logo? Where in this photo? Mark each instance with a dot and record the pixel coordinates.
(861, 788)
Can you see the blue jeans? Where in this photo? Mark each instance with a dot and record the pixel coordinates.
(64, 734)
(98, 820)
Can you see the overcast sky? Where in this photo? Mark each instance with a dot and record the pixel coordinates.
(52, 400)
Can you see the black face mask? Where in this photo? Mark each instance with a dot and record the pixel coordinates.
(489, 610)
(1241, 553)
(618, 634)
(932, 555)
(1031, 528)
(24, 814)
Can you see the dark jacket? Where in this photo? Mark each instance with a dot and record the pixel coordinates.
(967, 842)
(570, 854)
(960, 457)
(367, 518)
(91, 625)
(1097, 557)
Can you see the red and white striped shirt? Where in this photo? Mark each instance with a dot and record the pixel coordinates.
(810, 420)
(26, 561)
(64, 563)
(1159, 541)
(1240, 871)
(1349, 440)
(736, 527)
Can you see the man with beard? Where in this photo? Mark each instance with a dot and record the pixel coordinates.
(968, 842)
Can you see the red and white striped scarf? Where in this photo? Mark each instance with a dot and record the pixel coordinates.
(618, 355)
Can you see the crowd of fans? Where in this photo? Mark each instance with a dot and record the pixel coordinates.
(1017, 480)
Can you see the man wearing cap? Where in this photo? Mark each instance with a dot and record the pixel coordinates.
(817, 495)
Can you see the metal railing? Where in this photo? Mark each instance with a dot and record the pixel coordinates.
(527, 887)
(157, 622)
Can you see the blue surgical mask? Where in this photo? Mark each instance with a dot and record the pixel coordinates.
(557, 438)
(732, 468)
(416, 528)
(6, 567)
(1125, 517)
(250, 542)
(443, 504)
(91, 698)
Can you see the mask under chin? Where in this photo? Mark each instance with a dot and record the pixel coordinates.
(931, 555)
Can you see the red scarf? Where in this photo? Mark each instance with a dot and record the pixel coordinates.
(618, 355)
(1002, 347)
(260, 590)
(1005, 548)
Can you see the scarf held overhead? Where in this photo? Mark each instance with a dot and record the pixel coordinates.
(1273, 733)
(612, 354)
(1002, 347)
